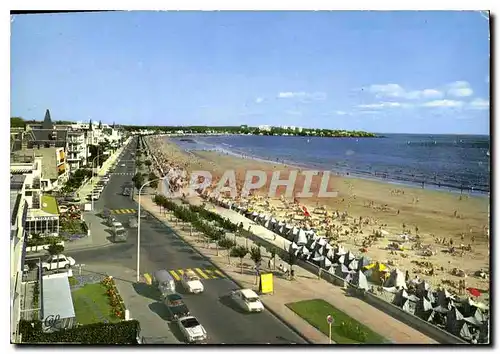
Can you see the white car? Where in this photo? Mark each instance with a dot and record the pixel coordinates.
(122, 165)
(192, 329)
(58, 262)
(248, 300)
(116, 225)
(192, 283)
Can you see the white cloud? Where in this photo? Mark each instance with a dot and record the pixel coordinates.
(294, 113)
(259, 100)
(460, 89)
(443, 103)
(316, 96)
(397, 91)
(479, 103)
(341, 113)
(383, 105)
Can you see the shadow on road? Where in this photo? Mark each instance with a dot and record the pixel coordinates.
(186, 250)
(146, 290)
(174, 328)
(177, 243)
(197, 258)
(228, 302)
(160, 309)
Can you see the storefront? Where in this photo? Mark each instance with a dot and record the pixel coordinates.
(41, 222)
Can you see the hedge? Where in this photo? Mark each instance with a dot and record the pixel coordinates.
(125, 332)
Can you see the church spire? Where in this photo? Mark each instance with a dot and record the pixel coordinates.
(47, 121)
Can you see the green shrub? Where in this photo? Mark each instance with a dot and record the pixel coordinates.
(352, 331)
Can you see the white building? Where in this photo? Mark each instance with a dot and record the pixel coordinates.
(266, 128)
(77, 149)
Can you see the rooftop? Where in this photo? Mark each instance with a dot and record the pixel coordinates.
(17, 182)
(57, 299)
(248, 293)
(49, 204)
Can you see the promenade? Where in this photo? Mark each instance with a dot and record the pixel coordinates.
(306, 285)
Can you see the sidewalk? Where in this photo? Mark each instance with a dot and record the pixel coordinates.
(141, 301)
(306, 286)
(98, 236)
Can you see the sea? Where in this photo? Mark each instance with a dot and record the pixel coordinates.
(458, 163)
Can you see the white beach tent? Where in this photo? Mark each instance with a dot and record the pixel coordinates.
(326, 263)
(397, 279)
(301, 238)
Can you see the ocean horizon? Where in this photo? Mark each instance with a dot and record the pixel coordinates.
(440, 161)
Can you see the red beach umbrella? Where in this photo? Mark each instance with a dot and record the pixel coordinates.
(474, 292)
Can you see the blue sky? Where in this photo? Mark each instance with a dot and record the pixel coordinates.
(413, 72)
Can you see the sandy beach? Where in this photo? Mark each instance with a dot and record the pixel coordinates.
(448, 235)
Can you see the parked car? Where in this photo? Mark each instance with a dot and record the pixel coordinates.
(127, 191)
(176, 306)
(111, 220)
(62, 209)
(247, 299)
(58, 262)
(192, 330)
(191, 282)
(120, 234)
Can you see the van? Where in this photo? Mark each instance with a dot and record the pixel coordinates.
(164, 282)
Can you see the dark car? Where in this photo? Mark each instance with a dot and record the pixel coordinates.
(176, 306)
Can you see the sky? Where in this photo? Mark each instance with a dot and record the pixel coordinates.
(387, 72)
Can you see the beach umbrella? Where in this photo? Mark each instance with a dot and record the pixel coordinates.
(474, 292)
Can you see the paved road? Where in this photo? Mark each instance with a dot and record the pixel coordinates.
(161, 248)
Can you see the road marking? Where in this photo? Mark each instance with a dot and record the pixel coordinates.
(148, 278)
(174, 274)
(210, 272)
(200, 272)
(180, 271)
(123, 211)
(219, 273)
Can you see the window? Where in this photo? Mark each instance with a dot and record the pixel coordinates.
(28, 193)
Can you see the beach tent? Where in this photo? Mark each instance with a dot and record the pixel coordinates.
(429, 295)
(376, 266)
(342, 271)
(353, 265)
(473, 321)
(318, 257)
(328, 246)
(300, 237)
(340, 250)
(392, 290)
(348, 258)
(397, 279)
(465, 332)
(400, 298)
(304, 251)
(330, 254)
(442, 309)
(339, 259)
(293, 246)
(295, 231)
(309, 233)
(359, 280)
(363, 261)
(443, 297)
(331, 270)
(454, 321)
(326, 263)
(266, 224)
(409, 306)
(322, 241)
(424, 308)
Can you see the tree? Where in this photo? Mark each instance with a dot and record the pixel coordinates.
(256, 257)
(17, 122)
(228, 244)
(138, 180)
(239, 252)
(154, 178)
(148, 163)
(55, 250)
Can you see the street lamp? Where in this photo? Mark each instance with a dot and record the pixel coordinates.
(139, 225)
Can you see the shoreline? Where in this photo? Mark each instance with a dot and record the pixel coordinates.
(400, 182)
(435, 217)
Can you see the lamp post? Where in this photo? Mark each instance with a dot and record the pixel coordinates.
(139, 226)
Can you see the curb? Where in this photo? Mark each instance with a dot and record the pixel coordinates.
(85, 248)
(274, 313)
